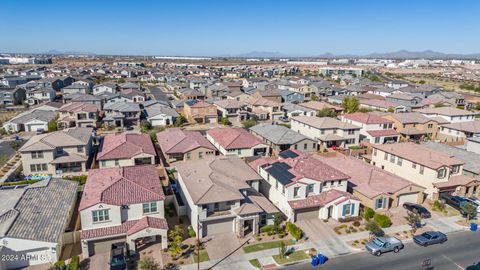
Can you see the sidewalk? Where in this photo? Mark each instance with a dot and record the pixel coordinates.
(331, 247)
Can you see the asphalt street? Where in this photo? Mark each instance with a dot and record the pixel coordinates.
(461, 251)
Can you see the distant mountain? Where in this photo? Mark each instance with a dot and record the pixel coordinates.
(55, 52)
(255, 54)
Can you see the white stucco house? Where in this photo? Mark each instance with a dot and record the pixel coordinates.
(237, 141)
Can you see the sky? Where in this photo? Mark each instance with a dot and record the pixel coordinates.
(228, 27)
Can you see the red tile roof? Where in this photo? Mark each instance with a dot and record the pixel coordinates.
(233, 138)
(117, 146)
(321, 199)
(176, 140)
(122, 185)
(383, 132)
(366, 118)
(129, 227)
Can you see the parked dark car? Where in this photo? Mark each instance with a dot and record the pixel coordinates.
(418, 209)
(453, 201)
(117, 257)
(430, 238)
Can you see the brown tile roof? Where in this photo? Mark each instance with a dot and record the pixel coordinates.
(320, 199)
(366, 118)
(176, 140)
(319, 105)
(129, 227)
(125, 145)
(455, 181)
(233, 138)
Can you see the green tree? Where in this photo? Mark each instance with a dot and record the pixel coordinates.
(179, 121)
(326, 112)
(121, 80)
(224, 121)
(175, 236)
(391, 110)
(350, 104)
(469, 210)
(52, 125)
(145, 126)
(413, 219)
(277, 220)
(373, 227)
(314, 97)
(249, 123)
(374, 78)
(422, 82)
(148, 263)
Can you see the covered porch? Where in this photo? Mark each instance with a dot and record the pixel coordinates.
(332, 140)
(71, 163)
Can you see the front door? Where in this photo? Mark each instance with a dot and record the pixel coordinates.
(330, 211)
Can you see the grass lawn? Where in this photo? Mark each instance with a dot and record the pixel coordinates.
(295, 256)
(265, 245)
(203, 256)
(255, 263)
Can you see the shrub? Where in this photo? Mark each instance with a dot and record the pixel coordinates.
(191, 232)
(369, 213)
(267, 228)
(294, 230)
(356, 223)
(74, 263)
(81, 179)
(382, 220)
(373, 227)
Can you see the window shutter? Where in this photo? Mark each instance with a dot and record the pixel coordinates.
(353, 210)
(344, 209)
(385, 202)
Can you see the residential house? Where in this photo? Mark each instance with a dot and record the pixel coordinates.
(31, 120)
(40, 94)
(459, 131)
(436, 171)
(122, 204)
(121, 114)
(374, 129)
(303, 187)
(291, 97)
(58, 152)
(181, 145)
(237, 141)
(473, 144)
(327, 131)
(133, 95)
(376, 188)
(77, 114)
(199, 111)
(281, 138)
(409, 101)
(12, 96)
(291, 110)
(232, 109)
(35, 220)
(222, 196)
(84, 98)
(264, 108)
(397, 84)
(160, 115)
(274, 94)
(126, 149)
(188, 93)
(319, 105)
(76, 88)
(102, 88)
(452, 115)
(382, 105)
(414, 126)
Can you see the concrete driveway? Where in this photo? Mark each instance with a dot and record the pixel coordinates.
(98, 261)
(220, 245)
(316, 229)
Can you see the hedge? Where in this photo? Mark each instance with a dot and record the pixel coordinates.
(81, 179)
(191, 232)
(294, 230)
(74, 263)
(369, 213)
(382, 220)
(17, 183)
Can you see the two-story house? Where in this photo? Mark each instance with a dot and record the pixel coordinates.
(304, 187)
(450, 114)
(222, 196)
(126, 149)
(264, 108)
(58, 152)
(232, 109)
(77, 114)
(374, 129)
(459, 131)
(199, 111)
(40, 94)
(281, 138)
(121, 114)
(102, 88)
(181, 145)
(237, 141)
(122, 204)
(423, 166)
(328, 131)
(414, 126)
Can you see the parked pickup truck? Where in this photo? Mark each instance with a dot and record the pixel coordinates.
(384, 244)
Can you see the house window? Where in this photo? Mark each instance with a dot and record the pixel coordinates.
(200, 155)
(399, 161)
(377, 140)
(38, 167)
(101, 215)
(59, 150)
(385, 157)
(304, 146)
(351, 131)
(414, 165)
(455, 169)
(239, 151)
(375, 152)
(441, 173)
(103, 163)
(422, 169)
(295, 147)
(392, 158)
(189, 156)
(295, 191)
(379, 203)
(79, 149)
(310, 188)
(430, 126)
(37, 154)
(150, 207)
(348, 209)
(322, 131)
(117, 162)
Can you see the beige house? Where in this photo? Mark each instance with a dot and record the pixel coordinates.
(77, 114)
(58, 152)
(436, 171)
(127, 149)
(415, 126)
(199, 111)
(264, 108)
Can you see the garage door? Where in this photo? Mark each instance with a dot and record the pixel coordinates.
(103, 246)
(34, 127)
(217, 226)
(307, 213)
(408, 197)
(157, 122)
